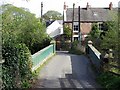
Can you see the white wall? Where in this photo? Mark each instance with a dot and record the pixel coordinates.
(54, 29)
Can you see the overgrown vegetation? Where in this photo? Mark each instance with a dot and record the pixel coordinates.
(108, 80)
(74, 48)
(17, 65)
(22, 35)
(25, 26)
(104, 41)
(67, 32)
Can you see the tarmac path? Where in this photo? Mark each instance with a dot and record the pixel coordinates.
(67, 71)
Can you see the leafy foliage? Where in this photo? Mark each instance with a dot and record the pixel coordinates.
(67, 32)
(21, 33)
(17, 65)
(24, 26)
(110, 40)
(107, 80)
(74, 48)
(95, 32)
(54, 15)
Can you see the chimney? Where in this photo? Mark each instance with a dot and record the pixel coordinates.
(110, 6)
(41, 11)
(65, 7)
(64, 12)
(87, 6)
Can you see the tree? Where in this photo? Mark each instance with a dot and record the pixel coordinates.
(95, 32)
(54, 15)
(21, 33)
(67, 31)
(94, 35)
(24, 25)
(111, 39)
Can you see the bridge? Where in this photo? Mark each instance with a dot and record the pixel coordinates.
(64, 70)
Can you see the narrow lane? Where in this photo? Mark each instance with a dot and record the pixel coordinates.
(67, 71)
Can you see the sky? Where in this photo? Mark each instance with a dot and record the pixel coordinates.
(34, 6)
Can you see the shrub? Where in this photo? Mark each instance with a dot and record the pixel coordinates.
(74, 48)
(108, 80)
(17, 65)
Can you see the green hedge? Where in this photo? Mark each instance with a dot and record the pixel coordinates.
(17, 66)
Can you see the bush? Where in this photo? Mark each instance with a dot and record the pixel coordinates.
(74, 48)
(17, 65)
(108, 80)
(25, 26)
(40, 45)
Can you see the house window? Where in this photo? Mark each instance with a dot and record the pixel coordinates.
(75, 27)
(101, 26)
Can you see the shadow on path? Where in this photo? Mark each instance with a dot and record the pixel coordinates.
(82, 75)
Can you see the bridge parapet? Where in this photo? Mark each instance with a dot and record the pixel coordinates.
(94, 54)
(41, 56)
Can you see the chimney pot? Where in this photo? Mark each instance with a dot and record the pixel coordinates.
(110, 6)
(65, 6)
(87, 6)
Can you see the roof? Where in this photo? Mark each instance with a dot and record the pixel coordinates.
(91, 14)
(54, 29)
(60, 21)
(48, 22)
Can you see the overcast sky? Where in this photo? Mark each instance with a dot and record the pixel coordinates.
(57, 5)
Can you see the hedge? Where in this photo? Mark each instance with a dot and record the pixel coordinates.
(17, 66)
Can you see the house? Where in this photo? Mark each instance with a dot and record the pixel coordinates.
(54, 28)
(85, 19)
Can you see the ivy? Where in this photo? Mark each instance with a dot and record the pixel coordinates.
(17, 66)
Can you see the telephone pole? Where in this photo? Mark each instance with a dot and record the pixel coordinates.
(72, 23)
(79, 33)
(41, 11)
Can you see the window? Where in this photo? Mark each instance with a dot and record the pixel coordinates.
(101, 26)
(75, 27)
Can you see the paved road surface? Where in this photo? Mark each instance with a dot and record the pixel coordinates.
(67, 71)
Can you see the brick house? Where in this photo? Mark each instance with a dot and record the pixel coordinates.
(86, 17)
